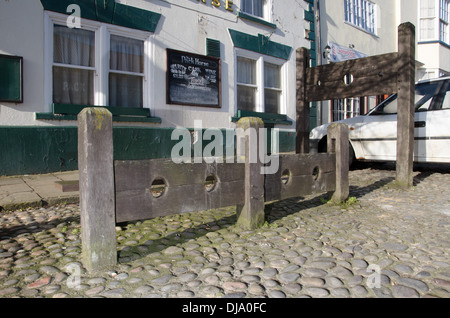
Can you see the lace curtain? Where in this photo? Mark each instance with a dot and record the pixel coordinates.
(246, 74)
(74, 51)
(127, 55)
(74, 68)
(254, 7)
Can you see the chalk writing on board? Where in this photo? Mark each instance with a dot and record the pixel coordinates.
(193, 79)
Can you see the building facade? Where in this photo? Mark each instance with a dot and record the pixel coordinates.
(358, 28)
(157, 65)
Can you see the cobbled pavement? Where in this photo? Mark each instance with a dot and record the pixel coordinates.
(386, 242)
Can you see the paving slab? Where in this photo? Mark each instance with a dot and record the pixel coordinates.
(21, 192)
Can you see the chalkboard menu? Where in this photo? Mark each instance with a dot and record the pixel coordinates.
(193, 79)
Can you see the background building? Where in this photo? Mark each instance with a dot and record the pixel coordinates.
(356, 28)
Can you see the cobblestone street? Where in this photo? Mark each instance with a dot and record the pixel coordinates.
(384, 242)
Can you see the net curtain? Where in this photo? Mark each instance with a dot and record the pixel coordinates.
(73, 81)
(73, 48)
(126, 90)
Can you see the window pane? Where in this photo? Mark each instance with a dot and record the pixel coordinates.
(246, 6)
(73, 86)
(427, 8)
(246, 71)
(347, 10)
(254, 7)
(272, 75)
(361, 13)
(258, 8)
(246, 98)
(272, 101)
(127, 54)
(125, 91)
(73, 46)
(427, 29)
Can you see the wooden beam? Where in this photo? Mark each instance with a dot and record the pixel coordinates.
(406, 100)
(300, 175)
(302, 109)
(184, 188)
(370, 76)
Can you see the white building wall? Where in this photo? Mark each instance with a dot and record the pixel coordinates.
(22, 34)
(335, 29)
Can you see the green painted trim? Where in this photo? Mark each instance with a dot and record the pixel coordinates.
(212, 47)
(260, 44)
(30, 150)
(311, 35)
(309, 16)
(131, 119)
(52, 116)
(267, 118)
(115, 111)
(120, 114)
(110, 12)
(33, 149)
(252, 18)
(135, 18)
(127, 119)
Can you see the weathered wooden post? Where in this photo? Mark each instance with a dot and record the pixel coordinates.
(406, 92)
(251, 213)
(303, 111)
(97, 203)
(338, 143)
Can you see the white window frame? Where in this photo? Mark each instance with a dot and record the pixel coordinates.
(428, 18)
(260, 59)
(102, 57)
(362, 14)
(267, 5)
(439, 19)
(351, 107)
(444, 19)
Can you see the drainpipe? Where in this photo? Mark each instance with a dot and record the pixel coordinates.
(318, 53)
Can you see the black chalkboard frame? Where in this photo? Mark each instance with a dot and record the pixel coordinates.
(218, 84)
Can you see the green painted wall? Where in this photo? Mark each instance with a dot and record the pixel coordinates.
(28, 150)
(34, 150)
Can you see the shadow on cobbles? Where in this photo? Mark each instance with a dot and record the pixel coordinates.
(443, 168)
(274, 211)
(359, 192)
(134, 248)
(35, 227)
(170, 238)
